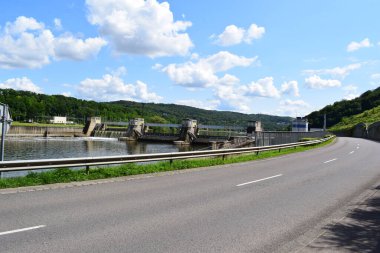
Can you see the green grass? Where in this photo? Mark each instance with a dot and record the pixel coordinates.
(367, 117)
(68, 175)
(17, 123)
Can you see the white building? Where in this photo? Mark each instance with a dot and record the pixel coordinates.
(300, 125)
(58, 120)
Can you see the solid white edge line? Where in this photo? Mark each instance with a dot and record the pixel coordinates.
(329, 161)
(279, 175)
(21, 230)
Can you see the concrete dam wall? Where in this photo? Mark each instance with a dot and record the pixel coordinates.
(374, 131)
(363, 130)
(36, 131)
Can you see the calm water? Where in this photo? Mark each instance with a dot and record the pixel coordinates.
(47, 148)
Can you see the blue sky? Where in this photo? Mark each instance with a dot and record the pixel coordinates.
(273, 57)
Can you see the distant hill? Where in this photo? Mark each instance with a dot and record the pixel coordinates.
(26, 105)
(368, 117)
(345, 108)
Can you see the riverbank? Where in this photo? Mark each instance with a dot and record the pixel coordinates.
(68, 175)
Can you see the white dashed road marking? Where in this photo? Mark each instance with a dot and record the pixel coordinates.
(259, 180)
(21, 230)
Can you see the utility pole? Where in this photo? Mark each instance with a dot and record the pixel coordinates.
(4, 121)
(324, 122)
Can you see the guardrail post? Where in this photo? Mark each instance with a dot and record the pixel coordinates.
(87, 169)
(171, 161)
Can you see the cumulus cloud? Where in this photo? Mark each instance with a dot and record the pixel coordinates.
(262, 88)
(68, 47)
(350, 92)
(293, 108)
(233, 35)
(140, 27)
(338, 72)
(290, 87)
(316, 82)
(112, 87)
(202, 73)
(240, 96)
(22, 83)
(26, 43)
(57, 24)
(207, 105)
(354, 46)
(375, 79)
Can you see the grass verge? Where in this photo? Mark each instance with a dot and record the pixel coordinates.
(68, 175)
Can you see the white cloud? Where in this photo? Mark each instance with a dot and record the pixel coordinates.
(203, 72)
(254, 32)
(294, 108)
(68, 47)
(240, 96)
(350, 92)
(316, 82)
(339, 72)
(140, 27)
(263, 88)
(57, 24)
(112, 87)
(22, 83)
(288, 87)
(375, 79)
(26, 43)
(23, 24)
(233, 35)
(207, 105)
(354, 46)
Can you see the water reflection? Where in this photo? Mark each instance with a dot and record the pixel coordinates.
(50, 147)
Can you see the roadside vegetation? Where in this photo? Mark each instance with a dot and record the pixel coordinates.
(368, 117)
(68, 175)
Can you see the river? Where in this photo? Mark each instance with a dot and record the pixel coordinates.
(52, 147)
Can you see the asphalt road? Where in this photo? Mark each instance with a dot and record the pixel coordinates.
(270, 205)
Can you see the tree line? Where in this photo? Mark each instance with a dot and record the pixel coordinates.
(26, 106)
(345, 108)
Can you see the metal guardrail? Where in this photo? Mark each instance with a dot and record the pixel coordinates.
(20, 165)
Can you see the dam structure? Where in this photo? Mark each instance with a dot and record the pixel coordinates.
(188, 132)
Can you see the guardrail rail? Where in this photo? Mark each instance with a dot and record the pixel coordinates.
(25, 165)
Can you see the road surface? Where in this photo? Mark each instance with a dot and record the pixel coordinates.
(271, 205)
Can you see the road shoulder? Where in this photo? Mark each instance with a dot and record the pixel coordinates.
(357, 231)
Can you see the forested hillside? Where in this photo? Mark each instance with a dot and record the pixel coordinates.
(345, 108)
(368, 117)
(26, 106)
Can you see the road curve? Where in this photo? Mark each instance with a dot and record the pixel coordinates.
(261, 206)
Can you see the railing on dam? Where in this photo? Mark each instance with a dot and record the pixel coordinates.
(267, 138)
(8, 166)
